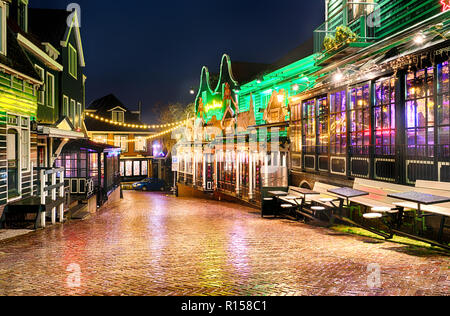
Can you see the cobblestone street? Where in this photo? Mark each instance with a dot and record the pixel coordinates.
(151, 244)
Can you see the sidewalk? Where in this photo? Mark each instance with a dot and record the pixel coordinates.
(6, 234)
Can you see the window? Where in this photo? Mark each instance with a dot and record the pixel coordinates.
(65, 108)
(25, 149)
(360, 132)
(72, 111)
(128, 168)
(136, 168)
(118, 116)
(101, 139)
(22, 17)
(140, 144)
(362, 7)
(80, 115)
(122, 168)
(420, 113)
(40, 94)
(309, 126)
(338, 123)
(50, 90)
(443, 104)
(121, 141)
(3, 13)
(322, 118)
(384, 112)
(144, 168)
(296, 128)
(73, 62)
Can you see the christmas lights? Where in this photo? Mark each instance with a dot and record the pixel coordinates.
(102, 119)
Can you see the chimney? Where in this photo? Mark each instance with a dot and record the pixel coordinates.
(140, 109)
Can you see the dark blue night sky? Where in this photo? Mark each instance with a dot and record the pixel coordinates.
(154, 50)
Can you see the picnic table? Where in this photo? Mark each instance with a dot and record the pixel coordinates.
(420, 198)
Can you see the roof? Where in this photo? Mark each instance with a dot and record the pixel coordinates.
(244, 71)
(49, 25)
(103, 107)
(17, 59)
(77, 144)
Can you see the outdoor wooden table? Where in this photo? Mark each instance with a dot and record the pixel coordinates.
(278, 193)
(420, 198)
(424, 199)
(348, 193)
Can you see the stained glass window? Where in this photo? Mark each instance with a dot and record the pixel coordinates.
(360, 133)
(384, 112)
(309, 126)
(338, 122)
(420, 113)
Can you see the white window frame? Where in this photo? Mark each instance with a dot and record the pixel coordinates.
(80, 114)
(41, 92)
(20, 129)
(52, 97)
(25, 2)
(118, 120)
(72, 111)
(3, 8)
(65, 107)
(73, 61)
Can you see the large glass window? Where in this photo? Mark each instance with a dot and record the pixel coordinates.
(443, 110)
(338, 122)
(101, 139)
(360, 132)
(384, 112)
(296, 128)
(309, 126)
(420, 113)
(323, 115)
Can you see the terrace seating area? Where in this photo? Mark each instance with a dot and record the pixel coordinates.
(380, 204)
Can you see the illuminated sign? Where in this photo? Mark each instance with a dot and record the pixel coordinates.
(213, 106)
(445, 5)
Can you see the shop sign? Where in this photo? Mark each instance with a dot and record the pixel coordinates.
(175, 164)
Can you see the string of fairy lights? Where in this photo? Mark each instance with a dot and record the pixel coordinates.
(135, 126)
(174, 127)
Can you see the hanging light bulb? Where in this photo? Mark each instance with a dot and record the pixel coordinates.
(419, 39)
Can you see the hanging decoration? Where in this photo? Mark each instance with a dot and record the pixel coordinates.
(104, 120)
(163, 133)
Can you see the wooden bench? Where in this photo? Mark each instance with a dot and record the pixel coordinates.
(324, 198)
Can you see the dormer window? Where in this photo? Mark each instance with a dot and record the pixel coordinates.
(22, 17)
(118, 116)
(3, 16)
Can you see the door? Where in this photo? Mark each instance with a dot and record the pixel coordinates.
(13, 163)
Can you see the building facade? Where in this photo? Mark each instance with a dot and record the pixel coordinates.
(19, 85)
(109, 121)
(368, 99)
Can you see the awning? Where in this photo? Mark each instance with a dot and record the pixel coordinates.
(59, 133)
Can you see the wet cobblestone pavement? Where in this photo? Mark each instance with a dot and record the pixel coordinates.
(151, 244)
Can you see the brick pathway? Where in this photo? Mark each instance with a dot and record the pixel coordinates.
(150, 244)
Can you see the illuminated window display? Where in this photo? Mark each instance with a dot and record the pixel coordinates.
(360, 133)
(338, 123)
(384, 113)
